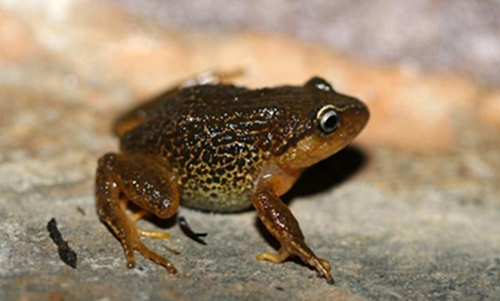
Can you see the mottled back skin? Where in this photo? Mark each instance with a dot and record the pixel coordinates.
(219, 139)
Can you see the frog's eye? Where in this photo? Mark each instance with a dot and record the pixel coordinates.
(328, 119)
(320, 84)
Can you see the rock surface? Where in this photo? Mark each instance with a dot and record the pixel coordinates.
(410, 212)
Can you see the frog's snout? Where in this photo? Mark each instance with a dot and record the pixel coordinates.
(363, 112)
(356, 117)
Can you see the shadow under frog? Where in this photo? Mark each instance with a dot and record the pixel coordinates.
(323, 176)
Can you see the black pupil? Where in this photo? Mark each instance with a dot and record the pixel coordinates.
(329, 121)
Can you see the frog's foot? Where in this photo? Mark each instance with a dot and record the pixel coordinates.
(321, 265)
(280, 222)
(136, 215)
(116, 184)
(129, 236)
(146, 252)
(154, 234)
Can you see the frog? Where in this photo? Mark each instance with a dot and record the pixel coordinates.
(213, 146)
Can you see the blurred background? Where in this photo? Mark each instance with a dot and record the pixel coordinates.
(444, 35)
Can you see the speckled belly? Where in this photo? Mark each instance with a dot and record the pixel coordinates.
(218, 194)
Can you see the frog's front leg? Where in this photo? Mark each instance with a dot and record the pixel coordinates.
(142, 181)
(280, 222)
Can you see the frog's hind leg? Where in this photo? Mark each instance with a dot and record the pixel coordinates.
(280, 222)
(121, 179)
(146, 110)
(139, 114)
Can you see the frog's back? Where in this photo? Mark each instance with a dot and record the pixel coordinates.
(217, 140)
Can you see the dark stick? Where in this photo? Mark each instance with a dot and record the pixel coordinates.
(190, 233)
(67, 255)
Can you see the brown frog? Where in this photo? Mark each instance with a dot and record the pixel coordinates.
(213, 146)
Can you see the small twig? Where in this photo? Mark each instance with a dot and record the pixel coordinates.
(190, 233)
(80, 209)
(67, 255)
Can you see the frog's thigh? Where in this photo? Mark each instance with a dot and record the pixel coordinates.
(121, 179)
(139, 114)
(280, 222)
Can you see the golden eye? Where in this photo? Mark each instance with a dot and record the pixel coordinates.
(328, 119)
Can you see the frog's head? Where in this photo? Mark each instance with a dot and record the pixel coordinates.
(330, 121)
